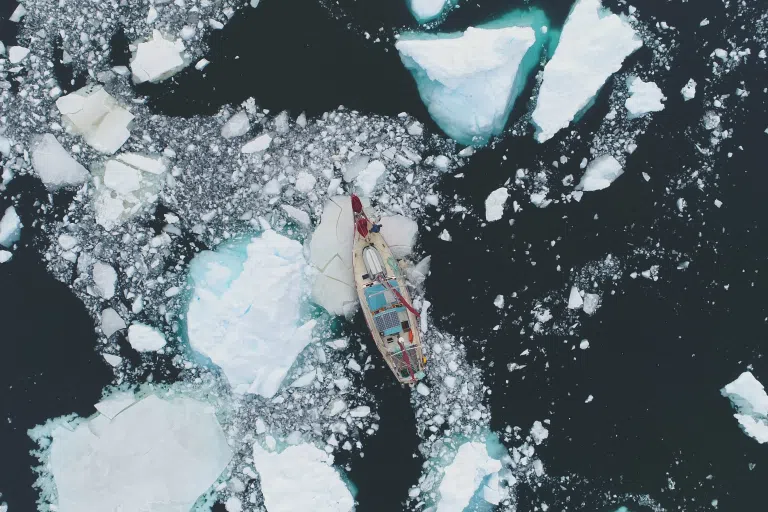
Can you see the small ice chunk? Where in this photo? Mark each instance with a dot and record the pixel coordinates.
(593, 45)
(18, 13)
(600, 173)
(574, 299)
(499, 301)
(422, 389)
(5, 256)
(644, 97)
(369, 177)
(145, 338)
(426, 10)
(748, 397)
(445, 235)
(301, 478)
(464, 475)
(54, 165)
(305, 182)
(236, 126)
(305, 380)
(538, 432)
(584, 345)
(689, 90)
(67, 242)
(94, 114)
(113, 360)
(156, 59)
(260, 143)
(17, 54)
(111, 322)
(201, 64)
(469, 81)
(10, 227)
(494, 204)
(591, 303)
(360, 411)
(299, 216)
(104, 279)
(354, 167)
(233, 504)
(400, 234)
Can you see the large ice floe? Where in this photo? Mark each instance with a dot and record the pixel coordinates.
(301, 477)
(469, 81)
(644, 97)
(592, 46)
(748, 397)
(244, 313)
(146, 455)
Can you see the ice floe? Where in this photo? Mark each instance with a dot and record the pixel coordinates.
(157, 453)
(145, 338)
(689, 90)
(10, 227)
(600, 173)
(464, 475)
(644, 97)
(469, 81)
(5, 256)
(748, 397)
(301, 477)
(593, 46)
(94, 114)
(17, 54)
(244, 313)
(494, 204)
(236, 126)
(156, 59)
(54, 165)
(104, 279)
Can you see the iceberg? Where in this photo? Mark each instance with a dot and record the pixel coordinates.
(469, 81)
(644, 97)
(301, 477)
(94, 114)
(54, 165)
(600, 173)
(244, 312)
(156, 59)
(10, 228)
(155, 454)
(748, 396)
(592, 47)
(465, 475)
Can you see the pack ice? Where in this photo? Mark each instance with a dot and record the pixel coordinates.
(748, 397)
(469, 81)
(94, 114)
(244, 313)
(301, 477)
(593, 45)
(154, 454)
(330, 250)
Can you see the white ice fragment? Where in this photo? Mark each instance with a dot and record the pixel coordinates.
(305, 182)
(422, 389)
(574, 299)
(94, 114)
(54, 165)
(369, 177)
(305, 380)
(201, 64)
(600, 173)
(644, 97)
(689, 90)
(5, 256)
(415, 129)
(233, 504)
(156, 59)
(538, 432)
(260, 143)
(591, 303)
(301, 478)
(445, 235)
(442, 162)
(499, 301)
(748, 396)
(360, 411)
(244, 315)
(299, 216)
(17, 54)
(18, 13)
(426, 10)
(400, 234)
(104, 279)
(584, 344)
(236, 126)
(111, 322)
(464, 475)
(145, 338)
(469, 81)
(589, 399)
(151, 15)
(593, 45)
(10, 228)
(494, 204)
(113, 360)
(155, 455)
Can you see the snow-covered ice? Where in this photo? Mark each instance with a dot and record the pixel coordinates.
(156, 59)
(245, 310)
(94, 114)
(748, 396)
(593, 46)
(469, 81)
(494, 204)
(644, 97)
(10, 227)
(145, 338)
(54, 165)
(689, 90)
(301, 477)
(157, 454)
(464, 476)
(600, 173)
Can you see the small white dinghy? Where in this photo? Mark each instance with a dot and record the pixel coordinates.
(385, 300)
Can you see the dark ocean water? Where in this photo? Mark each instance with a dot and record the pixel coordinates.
(659, 351)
